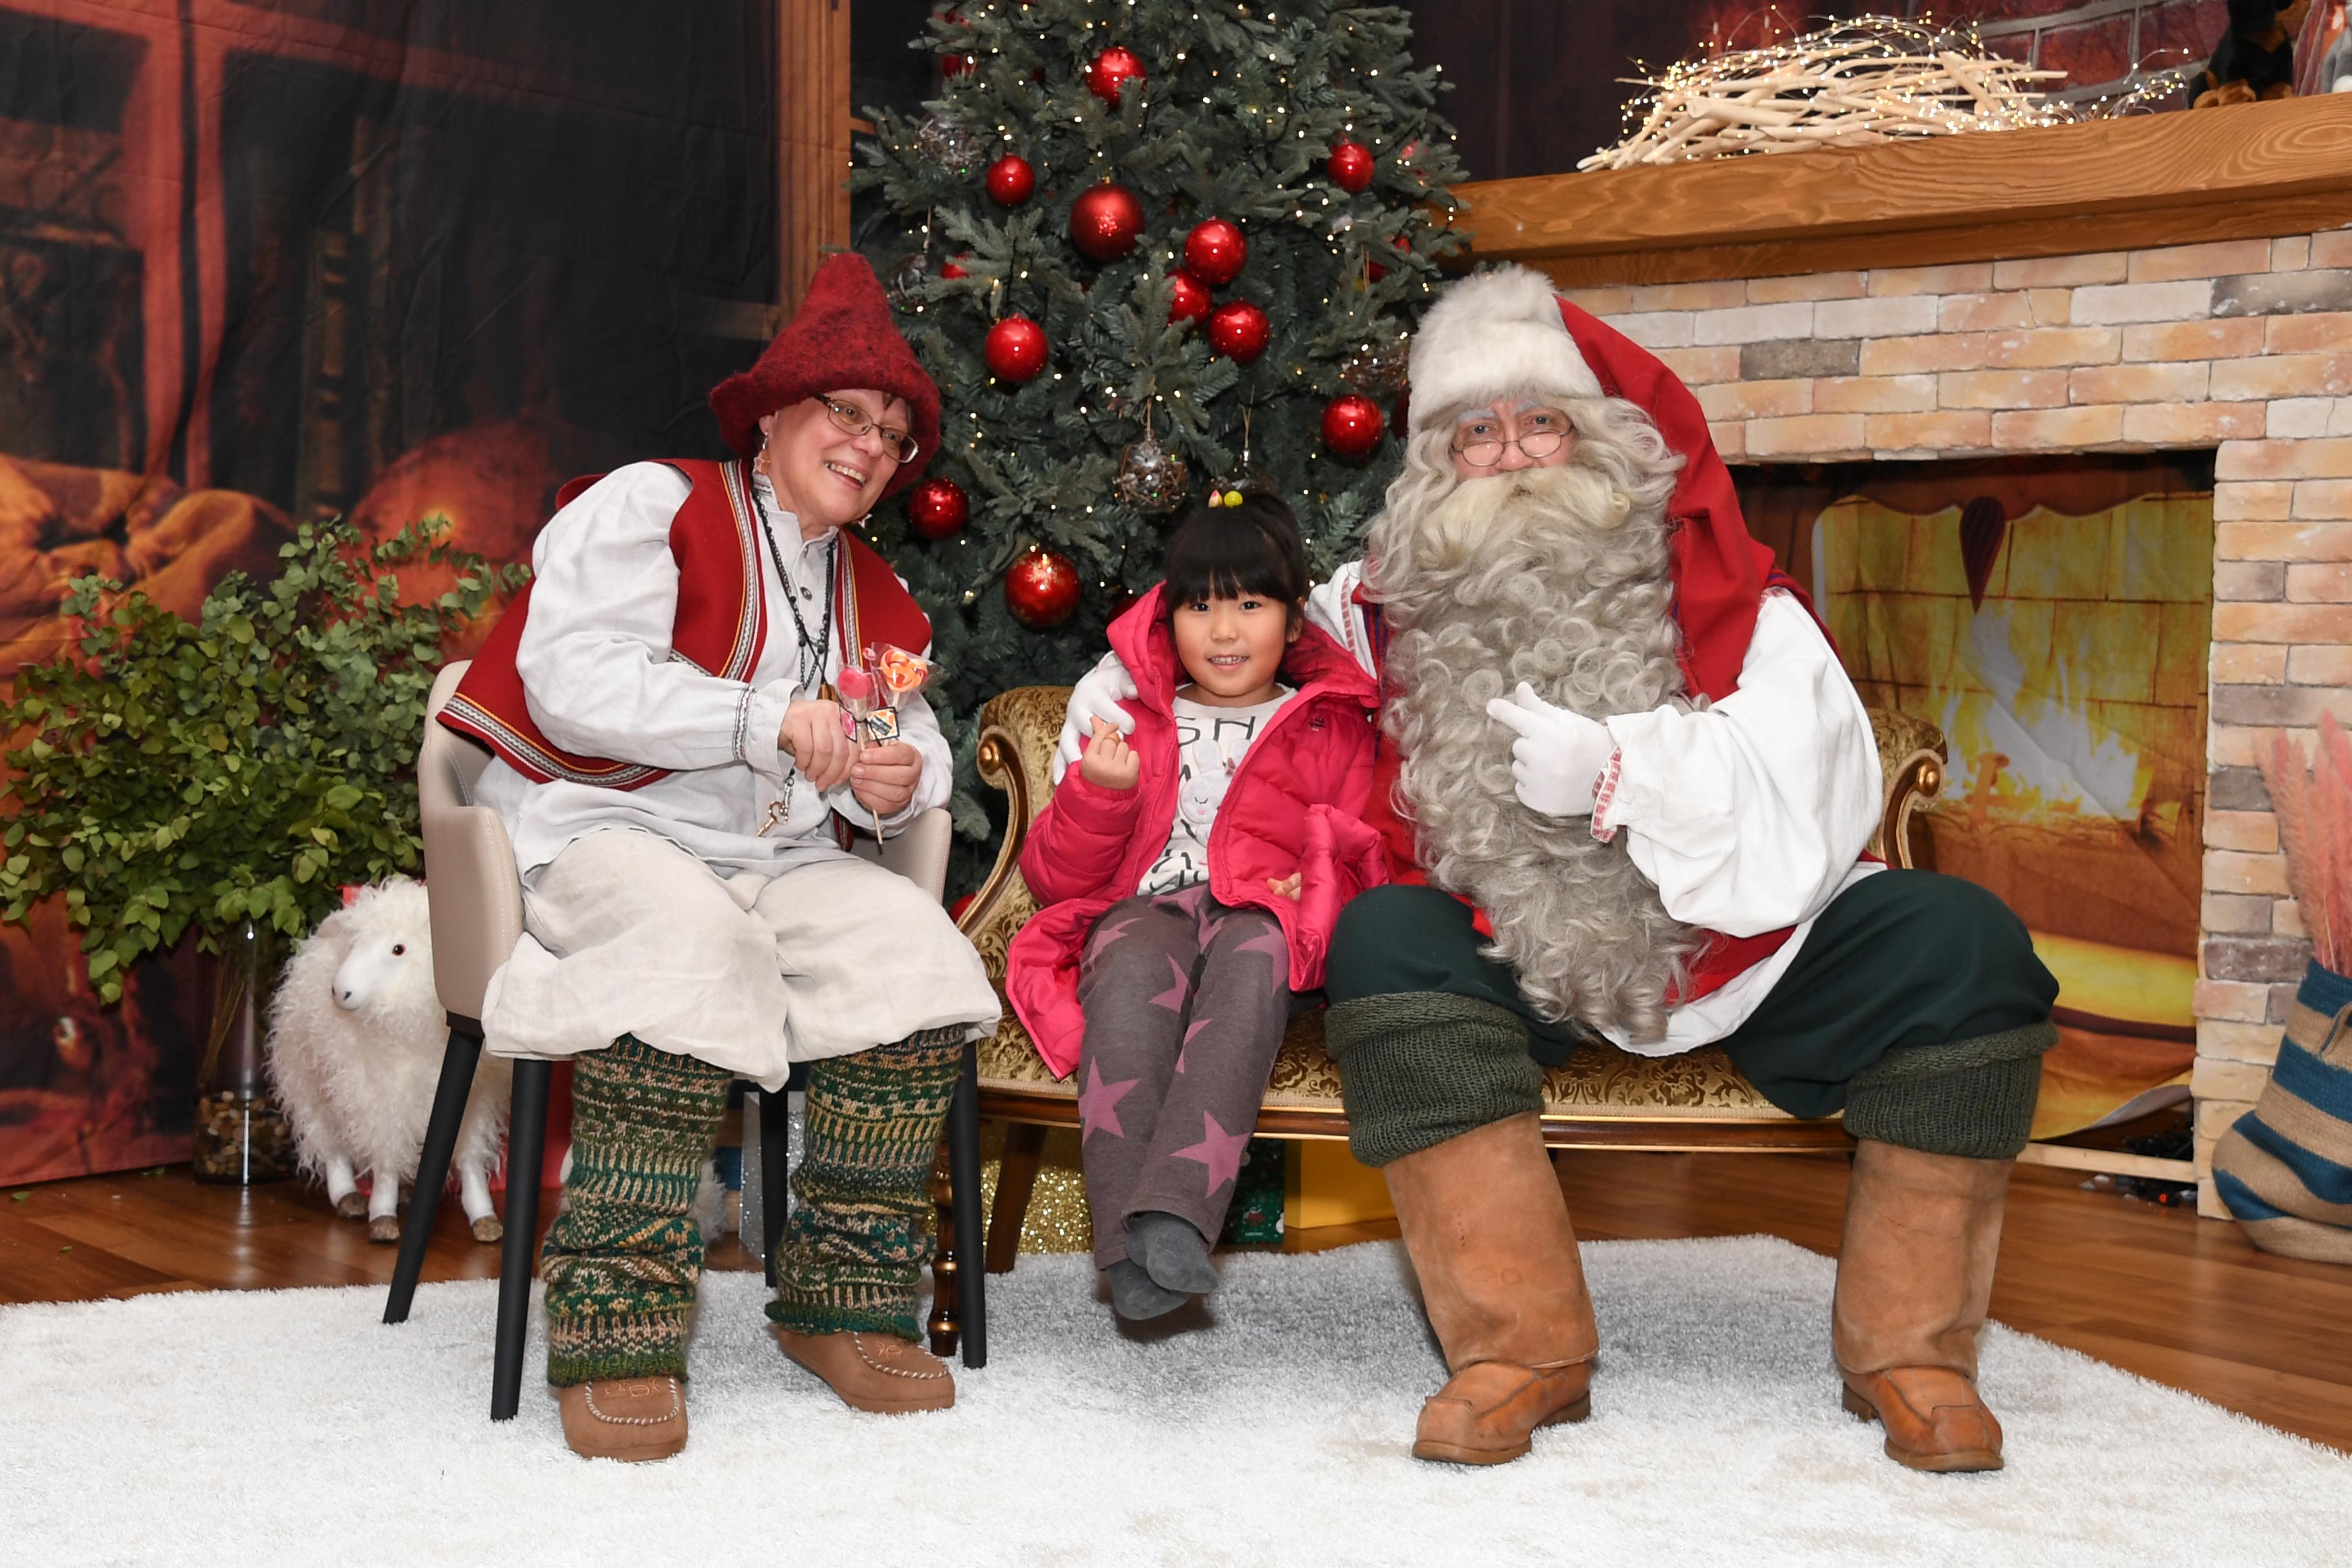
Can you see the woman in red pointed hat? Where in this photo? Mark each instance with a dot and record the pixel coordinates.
(1627, 790)
(674, 771)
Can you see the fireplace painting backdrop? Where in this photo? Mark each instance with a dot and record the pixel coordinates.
(2054, 621)
(266, 261)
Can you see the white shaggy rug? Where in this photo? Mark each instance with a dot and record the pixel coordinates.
(293, 1428)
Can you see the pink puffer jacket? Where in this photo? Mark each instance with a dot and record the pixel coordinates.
(1295, 804)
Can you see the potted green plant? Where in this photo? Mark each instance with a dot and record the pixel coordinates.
(227, 777)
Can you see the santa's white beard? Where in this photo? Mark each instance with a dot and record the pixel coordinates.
(1550, 576)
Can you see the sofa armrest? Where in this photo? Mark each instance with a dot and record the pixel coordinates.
(1017, 733)
(1911, 757)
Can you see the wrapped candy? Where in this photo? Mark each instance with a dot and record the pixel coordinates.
(903, 673)
(870, 693)
(856, 689)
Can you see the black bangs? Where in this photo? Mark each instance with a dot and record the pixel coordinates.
(1230, 552)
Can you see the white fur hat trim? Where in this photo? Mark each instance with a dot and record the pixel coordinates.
(1492, 335)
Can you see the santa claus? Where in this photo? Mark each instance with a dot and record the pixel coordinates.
(1629, 793)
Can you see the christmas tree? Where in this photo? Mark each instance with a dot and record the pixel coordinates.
(1146, 247)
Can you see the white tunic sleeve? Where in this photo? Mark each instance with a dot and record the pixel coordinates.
(595, 656)
(1331, 606)
(1749, 815)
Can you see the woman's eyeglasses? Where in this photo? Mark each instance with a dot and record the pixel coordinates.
(851, 420)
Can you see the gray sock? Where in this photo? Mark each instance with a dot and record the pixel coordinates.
(1134, 1296)
(1174, 1254)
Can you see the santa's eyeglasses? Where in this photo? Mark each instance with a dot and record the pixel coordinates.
(851, 420)
(1480, 442)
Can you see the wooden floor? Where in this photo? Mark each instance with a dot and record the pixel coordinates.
(2157, 1292)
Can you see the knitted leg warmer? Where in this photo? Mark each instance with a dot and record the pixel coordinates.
(623, 1257)
(1417, 1068)
(853, 1249)
(1973, 1097)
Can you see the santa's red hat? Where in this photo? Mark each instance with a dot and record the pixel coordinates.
(843, 336)
(1505, 334)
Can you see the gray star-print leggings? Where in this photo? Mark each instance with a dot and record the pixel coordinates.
(1186, 1001)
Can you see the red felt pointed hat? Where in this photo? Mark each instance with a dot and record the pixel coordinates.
(843, 336)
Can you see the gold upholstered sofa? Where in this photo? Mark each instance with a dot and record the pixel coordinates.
(1602, 1098)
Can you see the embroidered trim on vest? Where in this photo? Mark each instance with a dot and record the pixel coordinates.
(737, 487)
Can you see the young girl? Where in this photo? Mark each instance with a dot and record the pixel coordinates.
(1187, 879)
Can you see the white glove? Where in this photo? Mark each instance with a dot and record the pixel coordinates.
(1558, 760)
(1098, 695)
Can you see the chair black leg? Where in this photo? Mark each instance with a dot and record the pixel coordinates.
(963, 1180)
(775, 1155)
(525, 1148)
(458, 1064)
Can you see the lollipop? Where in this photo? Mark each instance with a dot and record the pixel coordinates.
(854, 688)
(903, 673)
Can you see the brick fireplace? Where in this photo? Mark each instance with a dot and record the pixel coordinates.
(2173, 284)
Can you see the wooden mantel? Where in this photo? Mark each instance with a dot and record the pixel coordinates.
(2254, 170)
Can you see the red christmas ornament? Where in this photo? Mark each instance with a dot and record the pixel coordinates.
(1375, 271)
(1105, 222)
(1238, 331)
(1041, 589)
(953, 66)
(1188, 299)
(1010, 181)
(939, 508)
(950, 268)
(1112, 70)
(1352, 425)
(1214, 252)
(1015, 349)
(1350, 166)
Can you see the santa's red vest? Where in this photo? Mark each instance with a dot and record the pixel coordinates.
(721, 625)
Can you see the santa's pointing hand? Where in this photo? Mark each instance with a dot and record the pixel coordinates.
(1558, 760)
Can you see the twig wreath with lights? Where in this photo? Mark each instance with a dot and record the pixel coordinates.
(1852, 84)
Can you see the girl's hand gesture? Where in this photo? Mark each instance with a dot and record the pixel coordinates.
(1287, 886)
(1109, 761)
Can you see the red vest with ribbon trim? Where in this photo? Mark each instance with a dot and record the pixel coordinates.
(721, 625)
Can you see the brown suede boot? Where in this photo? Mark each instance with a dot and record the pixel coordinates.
(1914, 1279)
(1487, 1231)
(632, 1419)
(877, 1372)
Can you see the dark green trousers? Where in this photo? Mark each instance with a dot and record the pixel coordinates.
(1900, 960)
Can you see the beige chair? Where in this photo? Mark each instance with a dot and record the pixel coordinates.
(1604, 1098)
(474, 896)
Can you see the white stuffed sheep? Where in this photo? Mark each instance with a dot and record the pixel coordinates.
(356, 1038)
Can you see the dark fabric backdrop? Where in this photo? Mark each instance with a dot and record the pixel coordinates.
(265, 261)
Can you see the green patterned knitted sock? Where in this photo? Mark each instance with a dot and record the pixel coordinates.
(853, 1249)
(623, 1257)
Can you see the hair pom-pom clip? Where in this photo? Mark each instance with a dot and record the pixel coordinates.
(1231, 498)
